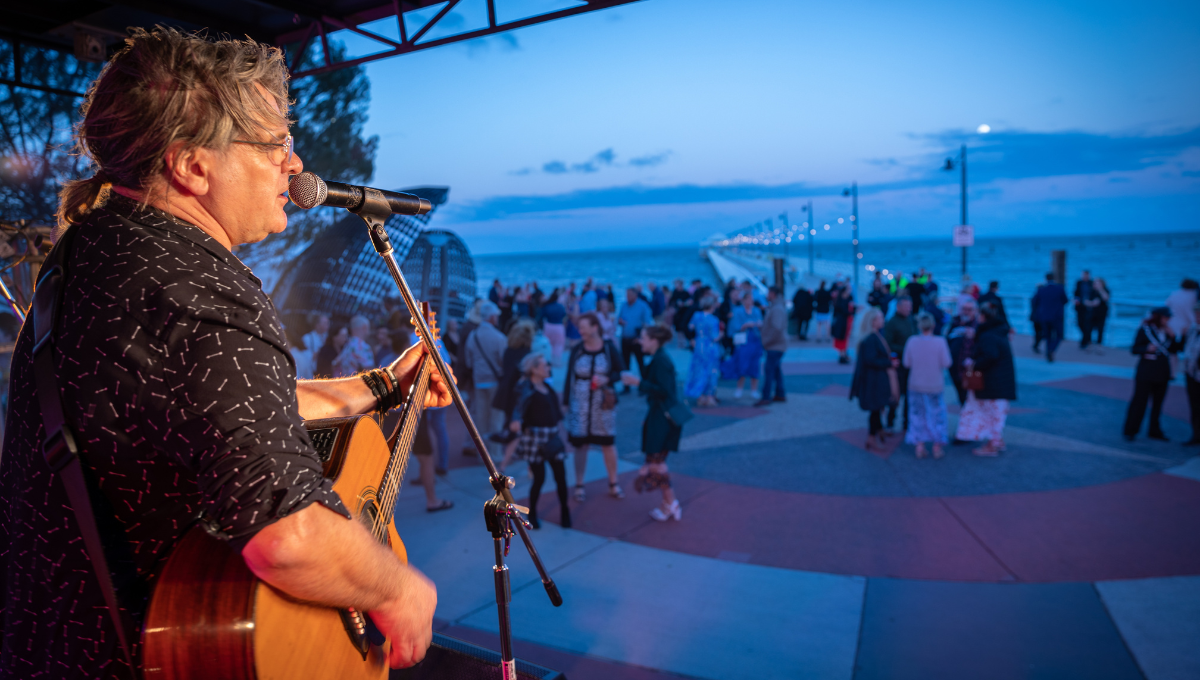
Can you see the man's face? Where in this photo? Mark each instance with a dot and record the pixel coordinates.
(631, 296)
(904, 307)
(247, 192)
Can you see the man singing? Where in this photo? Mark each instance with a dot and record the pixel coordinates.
(175, 375)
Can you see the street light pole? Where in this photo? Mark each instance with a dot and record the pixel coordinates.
(812, 236)
(962, 165)
(853, 193)
(964, 203)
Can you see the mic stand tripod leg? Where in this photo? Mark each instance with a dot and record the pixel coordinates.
(498, 516)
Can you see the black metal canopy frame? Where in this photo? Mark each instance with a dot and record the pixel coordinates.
(91, 29)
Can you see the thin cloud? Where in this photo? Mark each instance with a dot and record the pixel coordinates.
(599, 161)
(650, 161)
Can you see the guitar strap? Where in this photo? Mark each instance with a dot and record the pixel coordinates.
(60, 448)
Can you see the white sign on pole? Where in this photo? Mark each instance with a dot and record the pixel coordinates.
(964, 236)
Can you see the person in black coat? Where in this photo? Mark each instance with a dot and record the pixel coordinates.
(660, 434)
(1155, 343)
(872, 385)
(992, 295)
(802, 308)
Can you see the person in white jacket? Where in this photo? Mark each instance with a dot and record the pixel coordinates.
(1181, 303)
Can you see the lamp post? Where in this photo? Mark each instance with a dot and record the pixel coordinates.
(787, 236)
(853, 193)
(811, 228)
(962, 164)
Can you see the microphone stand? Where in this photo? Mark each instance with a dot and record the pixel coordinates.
(501, 514)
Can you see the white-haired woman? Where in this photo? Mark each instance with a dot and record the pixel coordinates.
(875, 382)
(926, 356)
(538, 419)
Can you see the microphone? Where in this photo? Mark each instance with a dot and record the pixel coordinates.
(308, 191)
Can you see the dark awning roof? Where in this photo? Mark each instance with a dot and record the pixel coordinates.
(80, 25)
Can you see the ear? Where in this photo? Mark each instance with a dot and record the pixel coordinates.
(189, 171)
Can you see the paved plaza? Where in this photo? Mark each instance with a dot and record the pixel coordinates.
(1075, 554)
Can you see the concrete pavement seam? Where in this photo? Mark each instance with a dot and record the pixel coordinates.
(978, 540)
(1120, 634)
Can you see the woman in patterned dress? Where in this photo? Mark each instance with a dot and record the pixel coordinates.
(985, 414)
(593, 367)
(926, 356)
(706, 355)
(538, 418)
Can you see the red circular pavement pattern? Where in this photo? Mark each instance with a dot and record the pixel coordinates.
(1136, 528)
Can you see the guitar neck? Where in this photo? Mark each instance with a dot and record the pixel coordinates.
(400, 444)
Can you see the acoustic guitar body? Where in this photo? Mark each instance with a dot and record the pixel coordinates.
(210, 617)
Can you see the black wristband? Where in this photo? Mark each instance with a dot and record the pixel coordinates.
(373, 383)
(396, 396)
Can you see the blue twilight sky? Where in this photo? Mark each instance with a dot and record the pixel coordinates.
(665, 121)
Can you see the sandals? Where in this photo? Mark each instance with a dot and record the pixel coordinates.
(580, 493)
(988, 451)
(614, 490)
(446, 504)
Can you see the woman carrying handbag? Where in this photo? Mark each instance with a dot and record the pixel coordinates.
(985, 413)
(538, 419)
(664, 420)
(875, 383)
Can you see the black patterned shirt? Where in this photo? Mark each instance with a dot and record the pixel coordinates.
(178, 382)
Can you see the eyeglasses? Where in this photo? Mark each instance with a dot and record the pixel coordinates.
(280, 152)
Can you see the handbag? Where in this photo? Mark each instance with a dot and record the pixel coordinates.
(894, 383)
(972, 380)
(679, 413)
(552, 447)
(608, 399)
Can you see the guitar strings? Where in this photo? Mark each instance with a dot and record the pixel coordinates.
(401, 452)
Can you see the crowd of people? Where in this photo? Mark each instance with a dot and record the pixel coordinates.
(903, 354)
(907, 343)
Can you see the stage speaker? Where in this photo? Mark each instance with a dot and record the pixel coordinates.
(452, 659)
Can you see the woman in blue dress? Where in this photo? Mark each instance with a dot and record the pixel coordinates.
(744, 326)
(706, 355)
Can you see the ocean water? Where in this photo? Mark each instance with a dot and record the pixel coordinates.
(1136, 267)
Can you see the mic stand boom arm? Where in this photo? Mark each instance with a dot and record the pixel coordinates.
(500, 513)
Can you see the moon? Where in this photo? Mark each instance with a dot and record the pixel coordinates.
(984, 129)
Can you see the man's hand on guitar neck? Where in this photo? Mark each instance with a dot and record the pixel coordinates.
(351, 396)
(405, 368)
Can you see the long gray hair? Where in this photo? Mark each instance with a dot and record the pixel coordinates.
(164, 88)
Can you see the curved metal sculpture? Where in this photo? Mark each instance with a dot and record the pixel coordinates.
(440, 271)
(340, 274)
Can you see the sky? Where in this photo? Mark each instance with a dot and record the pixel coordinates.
(666, 121)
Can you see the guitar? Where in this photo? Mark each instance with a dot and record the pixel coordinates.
(211, 617)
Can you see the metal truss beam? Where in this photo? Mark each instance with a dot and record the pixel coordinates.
(411, 43)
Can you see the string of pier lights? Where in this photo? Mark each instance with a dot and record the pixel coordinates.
(778, 236)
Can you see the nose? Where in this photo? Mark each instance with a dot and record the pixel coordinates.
(295, 166)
